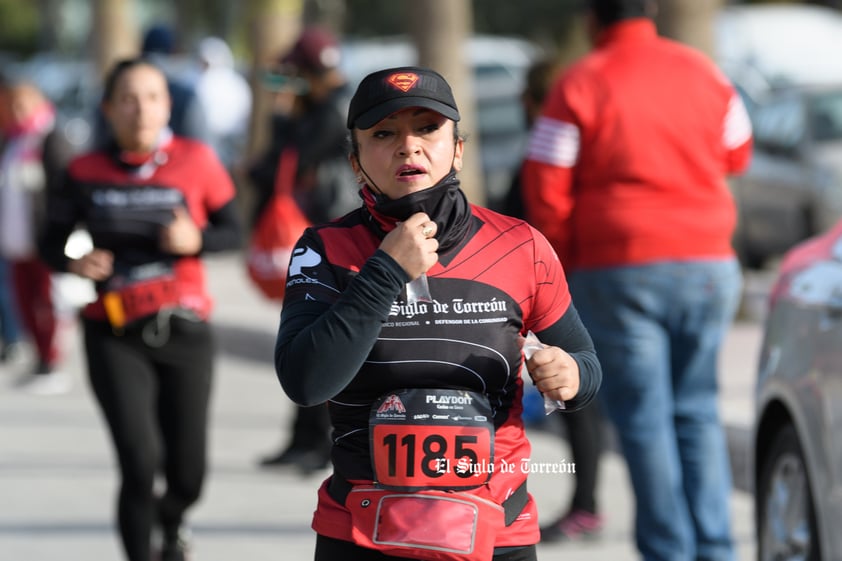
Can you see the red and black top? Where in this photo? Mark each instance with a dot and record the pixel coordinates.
(348, 336)
(123, 204)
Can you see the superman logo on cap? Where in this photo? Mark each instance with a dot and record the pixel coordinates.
(403, 80)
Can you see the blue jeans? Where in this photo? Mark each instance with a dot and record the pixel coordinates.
(657, 330)
(10, 331)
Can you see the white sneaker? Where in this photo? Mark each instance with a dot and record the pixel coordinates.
(54, 383)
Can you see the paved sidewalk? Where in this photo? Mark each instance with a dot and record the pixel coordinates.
(57, 479)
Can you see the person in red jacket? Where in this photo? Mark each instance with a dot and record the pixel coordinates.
(626, 176)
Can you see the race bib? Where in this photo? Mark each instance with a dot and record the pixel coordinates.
(431, 439)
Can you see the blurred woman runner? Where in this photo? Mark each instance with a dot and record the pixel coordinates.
(425, 396)
(153, 203)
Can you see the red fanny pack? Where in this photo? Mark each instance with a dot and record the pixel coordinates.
(139, 300)
(433, 525)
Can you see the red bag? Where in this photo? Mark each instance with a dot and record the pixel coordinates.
(431, 525)
(276, 232)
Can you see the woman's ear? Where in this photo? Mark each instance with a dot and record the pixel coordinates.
(355, 165)
(358, 169)
(457, 154)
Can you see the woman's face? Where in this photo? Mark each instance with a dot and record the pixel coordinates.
(139, 108)
(407, 151)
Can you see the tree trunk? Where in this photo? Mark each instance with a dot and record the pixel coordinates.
(440, 29)
(49, 22)
(116, 34)
(273, 27)
(689, 21)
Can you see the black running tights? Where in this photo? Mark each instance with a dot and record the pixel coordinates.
(155, 400)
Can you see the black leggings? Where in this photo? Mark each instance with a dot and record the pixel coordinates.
(330, 549)
(155, 400)
(585, 436)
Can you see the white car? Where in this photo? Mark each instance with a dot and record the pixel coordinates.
(763, 45)
(781, 57)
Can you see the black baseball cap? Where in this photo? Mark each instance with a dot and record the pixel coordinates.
(386, 91)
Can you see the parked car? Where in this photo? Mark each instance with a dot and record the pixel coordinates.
(778, 56)
(784, 43)
(793, 187)
(797, 452)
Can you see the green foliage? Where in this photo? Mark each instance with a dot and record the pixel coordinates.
(19, 26)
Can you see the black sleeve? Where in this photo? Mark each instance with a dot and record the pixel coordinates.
(570, 334)
(223, 231)
(61, 219)
(320, 347)
(58, 152)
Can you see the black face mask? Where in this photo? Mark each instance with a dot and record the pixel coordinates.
(444, 203)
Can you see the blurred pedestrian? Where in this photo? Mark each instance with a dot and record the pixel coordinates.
(11, 336)
(626, 175)
(220, 85)
(310, 104)
(188, 117)
(311, 96)
(430, 450)
(581, 518)
(154, 204)
(32, 161)
(539, 77)
(12, 344)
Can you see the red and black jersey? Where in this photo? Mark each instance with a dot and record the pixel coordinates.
(348, 335)
(123, 207)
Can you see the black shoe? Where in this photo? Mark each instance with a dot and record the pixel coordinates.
(176, 548)
(305, 460)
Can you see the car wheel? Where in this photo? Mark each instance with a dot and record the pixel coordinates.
(786, 520)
